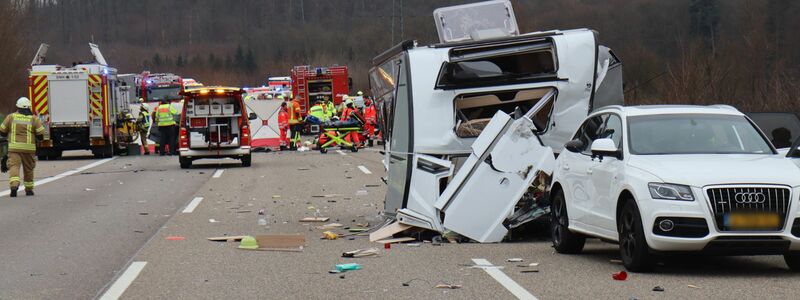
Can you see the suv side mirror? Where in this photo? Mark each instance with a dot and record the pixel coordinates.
(252, 116)
(605, 147)
(574, 146)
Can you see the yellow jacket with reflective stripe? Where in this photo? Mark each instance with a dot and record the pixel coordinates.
(164, 114)
(318, 112)
(22, 130)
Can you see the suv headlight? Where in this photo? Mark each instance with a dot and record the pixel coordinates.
(669, 191)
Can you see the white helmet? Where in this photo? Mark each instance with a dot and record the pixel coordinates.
(23, 102)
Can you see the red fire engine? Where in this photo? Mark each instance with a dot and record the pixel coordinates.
(160, 86)
(310, 84)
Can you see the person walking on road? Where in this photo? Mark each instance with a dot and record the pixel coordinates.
(23, 130)
(143, 124)
(165, 118)
(295, 123)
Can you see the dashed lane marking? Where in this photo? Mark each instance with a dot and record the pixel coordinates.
(218, 174)
(192, 205)
(365, 170)
(123, 282)
(508, 283)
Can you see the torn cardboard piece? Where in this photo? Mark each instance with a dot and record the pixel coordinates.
(280, 242)
(388, 231)
(397, 240)
(233, 238)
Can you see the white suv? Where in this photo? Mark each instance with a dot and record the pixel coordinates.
(660, 179)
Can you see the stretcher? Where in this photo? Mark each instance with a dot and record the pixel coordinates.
(339, 134)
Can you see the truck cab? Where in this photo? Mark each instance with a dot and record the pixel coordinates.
(214, 123)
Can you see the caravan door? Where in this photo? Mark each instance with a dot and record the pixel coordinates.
(505, 160)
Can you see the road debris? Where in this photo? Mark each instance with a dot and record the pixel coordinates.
(361, 253)
(692, 286)
(233, 238)
(615, 261)
(530, 271)
(315, 219)
(396, 240)
(658, 289)
(516, 259)
(348, 267)
(388, 231)
(275, 242)
(448, 286)
(329, 235)
(213, 221)
(361, 193)
(621, 275)
(176, 238)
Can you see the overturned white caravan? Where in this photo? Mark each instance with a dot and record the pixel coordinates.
(472, 124)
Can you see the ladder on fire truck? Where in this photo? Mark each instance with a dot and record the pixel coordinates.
(300, 75)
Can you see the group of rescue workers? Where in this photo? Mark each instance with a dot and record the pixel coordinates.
(325, 114)
(21, 131)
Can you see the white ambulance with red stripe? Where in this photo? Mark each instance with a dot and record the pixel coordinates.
(79, 106)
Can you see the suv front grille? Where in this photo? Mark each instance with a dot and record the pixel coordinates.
(747, 199)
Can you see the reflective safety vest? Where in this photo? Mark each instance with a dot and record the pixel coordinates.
(346, 113)
(21, 130)
(143, 121)
(331, 108)
(318, 112)
(164, 114)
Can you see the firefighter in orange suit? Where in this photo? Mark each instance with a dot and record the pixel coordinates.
(295, 122)
(283, 125)
(23, 130)
(371, 118)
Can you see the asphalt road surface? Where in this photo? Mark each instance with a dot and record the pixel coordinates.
(136, 227)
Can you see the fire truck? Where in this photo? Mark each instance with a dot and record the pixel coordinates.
(310, 84)
(160, 86)
(82, 107)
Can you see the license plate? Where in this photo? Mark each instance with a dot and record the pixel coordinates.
(753, 221)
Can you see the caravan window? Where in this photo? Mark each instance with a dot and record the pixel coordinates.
(474, 111)
(498, 65)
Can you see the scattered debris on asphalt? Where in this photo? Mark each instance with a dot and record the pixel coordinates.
(361, 253)
(388, 231)
(530, 271)
(692, 286)
(233, 238)
(397, 240)
(213, 221)
(516, 259)
(348, 267)
(448, 286)
(329, 226)
(143, 213)
(615, 261)
(315, 219)
(274, 242)
(176, 238)
(329, 235)
(621, 275)
(658, 289)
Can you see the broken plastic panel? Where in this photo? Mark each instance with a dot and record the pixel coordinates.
(507, 157)
(477, 21)
(98, 56)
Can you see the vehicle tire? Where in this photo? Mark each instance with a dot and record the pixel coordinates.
(633, 246)
(564, 241)
(323, 150)
(792, 260)
(371, 143)
(56, 154)
(185, 162)
(246, 160)
(354, 149)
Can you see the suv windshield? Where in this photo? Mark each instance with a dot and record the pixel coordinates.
(694, 134)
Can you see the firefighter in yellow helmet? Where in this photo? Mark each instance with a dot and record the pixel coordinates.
(23, 130)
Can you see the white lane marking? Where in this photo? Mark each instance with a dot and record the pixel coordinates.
(218, 174)
(504, 280)
(123, 282)
(341, 153)
(65, 174)
(365, 170)
(192, 205)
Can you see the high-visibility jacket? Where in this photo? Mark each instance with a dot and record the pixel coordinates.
(370, 114)
(21, 130)
(294, 112)
(164, 115)
(143, 121)
(317, 111)
(331, 108)
(283, 118)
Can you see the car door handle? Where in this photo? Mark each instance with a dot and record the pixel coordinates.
(589, 171)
